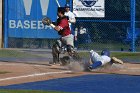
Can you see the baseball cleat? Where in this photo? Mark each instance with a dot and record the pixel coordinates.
(52, 63)
(90, 68)
(116, 60)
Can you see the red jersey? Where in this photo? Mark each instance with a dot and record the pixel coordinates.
(64, 26)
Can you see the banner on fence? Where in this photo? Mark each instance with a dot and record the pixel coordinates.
(24, 18)
(89, 8)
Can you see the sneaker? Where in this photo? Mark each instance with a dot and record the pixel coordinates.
(52, 63)
(90, 68)
(116, 60)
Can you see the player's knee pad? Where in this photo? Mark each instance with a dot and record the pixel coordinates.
(57, 46)
(58, 43)
(70, 48)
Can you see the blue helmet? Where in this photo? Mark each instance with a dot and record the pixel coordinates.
(105, 52)
(67, 5)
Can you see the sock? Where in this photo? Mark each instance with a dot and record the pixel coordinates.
(96, 64)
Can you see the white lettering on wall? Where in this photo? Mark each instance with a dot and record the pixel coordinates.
(43, 3)
(26, 24)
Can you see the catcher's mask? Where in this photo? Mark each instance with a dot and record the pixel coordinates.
(105, 52)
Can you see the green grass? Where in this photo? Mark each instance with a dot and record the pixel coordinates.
(30, 91)
(6, 53)
(121, 55)
(113, 46)
(4, 72)
(100, 46)
(126, 55)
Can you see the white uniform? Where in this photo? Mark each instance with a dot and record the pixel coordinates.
(97, 60)
(71, 17)
(96, 57)
(68, 40)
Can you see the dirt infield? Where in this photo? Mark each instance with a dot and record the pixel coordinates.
(17, 73)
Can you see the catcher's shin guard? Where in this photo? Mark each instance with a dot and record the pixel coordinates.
(55, 54)
(57, 47)
(76, 56)
(73, 53)
(70, 50)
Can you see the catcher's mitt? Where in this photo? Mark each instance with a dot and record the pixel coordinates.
(46, 21)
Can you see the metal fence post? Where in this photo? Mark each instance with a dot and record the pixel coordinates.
(133, 25)
(5, 24)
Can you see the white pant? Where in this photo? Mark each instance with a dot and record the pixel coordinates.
(96, 57)
(68, 40)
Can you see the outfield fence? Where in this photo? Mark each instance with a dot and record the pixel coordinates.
(119, 30)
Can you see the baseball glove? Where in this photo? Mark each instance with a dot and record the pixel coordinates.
(46, 21)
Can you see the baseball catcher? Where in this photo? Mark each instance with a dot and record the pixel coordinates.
(63, 29)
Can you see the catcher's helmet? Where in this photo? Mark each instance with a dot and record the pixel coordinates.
(106, 52)
(61, 9)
